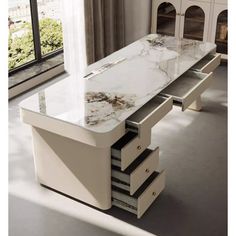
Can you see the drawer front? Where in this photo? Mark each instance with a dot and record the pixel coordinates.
(186, 89)
(144, 170)
(131, 150)
(143, 197)
(151, 193)
(196, 91)
(208, 63)
(149, 114)
(139, 171)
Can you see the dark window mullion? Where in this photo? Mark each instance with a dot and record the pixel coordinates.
(35, 27)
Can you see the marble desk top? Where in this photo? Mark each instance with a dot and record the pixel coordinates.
(102, 102)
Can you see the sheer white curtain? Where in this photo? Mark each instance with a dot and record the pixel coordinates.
(92, 29)
(73, 20)
(75, 59)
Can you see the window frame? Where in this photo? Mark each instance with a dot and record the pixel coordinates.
(36, 40)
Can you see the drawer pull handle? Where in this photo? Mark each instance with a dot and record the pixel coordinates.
(147, 170)
(154, 194)
(139, 147)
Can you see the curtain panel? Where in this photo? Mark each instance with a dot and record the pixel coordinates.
(104, 27)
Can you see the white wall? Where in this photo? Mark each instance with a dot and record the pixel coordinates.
(137, 19)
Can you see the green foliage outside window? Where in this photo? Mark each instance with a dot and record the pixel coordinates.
(50, 35)
(21, 49)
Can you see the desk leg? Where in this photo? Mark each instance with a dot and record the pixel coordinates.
(73, 168)
(196, 105)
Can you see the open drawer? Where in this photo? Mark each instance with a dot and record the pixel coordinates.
(142, 198)
(149, 114)
(128, 148)
(208, 64)
(136, 174)
(188, 87)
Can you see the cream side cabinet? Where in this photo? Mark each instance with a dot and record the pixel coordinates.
(180, 16)
(204, 20)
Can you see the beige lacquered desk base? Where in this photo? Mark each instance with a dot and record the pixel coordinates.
(97, 147)
(74, 168)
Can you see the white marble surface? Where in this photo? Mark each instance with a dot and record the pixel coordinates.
(102, 102)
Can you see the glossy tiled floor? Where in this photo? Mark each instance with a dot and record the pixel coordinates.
(193, 148)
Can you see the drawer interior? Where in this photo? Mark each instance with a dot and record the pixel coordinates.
(204, 61)
(124, 206)
(135, 163)
(122, 198)
(183, 85)
(124, 140)
(147, 109)
(121, 183)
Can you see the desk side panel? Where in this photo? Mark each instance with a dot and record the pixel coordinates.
(76, 169)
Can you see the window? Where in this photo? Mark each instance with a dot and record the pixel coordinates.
(50, 25)
(35, 32)
(20, 40)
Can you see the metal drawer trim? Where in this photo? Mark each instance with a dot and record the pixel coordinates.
(143, 197)
(208, 64)
(120, 184)
(124, 206)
